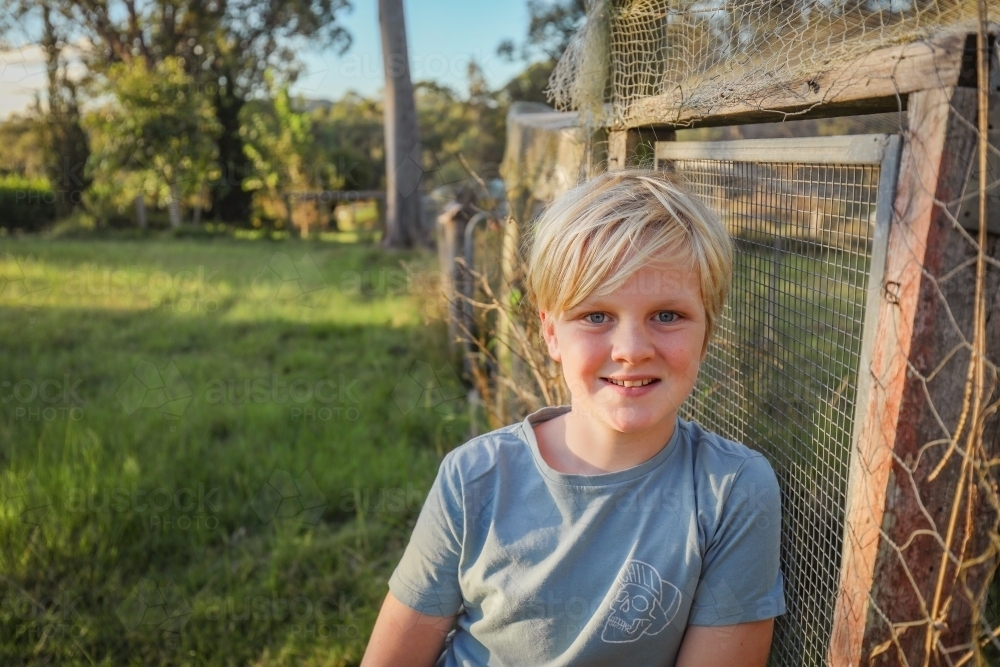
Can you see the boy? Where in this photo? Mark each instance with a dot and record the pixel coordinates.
(609, 531)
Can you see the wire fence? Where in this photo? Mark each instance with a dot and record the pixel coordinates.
(858, 350)
(782, 373)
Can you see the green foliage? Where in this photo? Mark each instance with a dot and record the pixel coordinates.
(276, 138)
(26, 203)
(529, 85)
(350, 140)
(225, 48)
(159, 125)
(551, 26)
(106, 486)
(450, 126)
(158, 136)
(21, 146)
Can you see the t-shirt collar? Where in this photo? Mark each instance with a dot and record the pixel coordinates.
(600, 479)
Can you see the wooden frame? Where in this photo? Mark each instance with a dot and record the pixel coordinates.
(897, 506)
(849, 149)
(918, 313)
(872, 82)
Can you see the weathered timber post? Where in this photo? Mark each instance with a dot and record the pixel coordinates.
(624, 145)
(911, 398)
(451, 244)
(288, 213)
(510, 260)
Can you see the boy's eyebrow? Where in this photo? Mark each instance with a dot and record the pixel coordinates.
(666, 300)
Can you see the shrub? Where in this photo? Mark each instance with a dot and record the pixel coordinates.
(26, 203)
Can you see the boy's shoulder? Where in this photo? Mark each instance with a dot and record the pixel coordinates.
(479, 456)
(714, 454)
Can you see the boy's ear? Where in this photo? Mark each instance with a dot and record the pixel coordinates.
(549, 333)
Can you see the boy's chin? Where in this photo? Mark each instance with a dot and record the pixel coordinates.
(630, 419)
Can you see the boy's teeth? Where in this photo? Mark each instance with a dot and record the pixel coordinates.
(630, 383)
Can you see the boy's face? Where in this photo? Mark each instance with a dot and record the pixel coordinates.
(652, 327)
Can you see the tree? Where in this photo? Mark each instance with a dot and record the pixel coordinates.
(161, 129)
(277, 141)
(473, 127)
(350, 140)
(225, 46)
(404, 218)
(63, 143)
(551, 26)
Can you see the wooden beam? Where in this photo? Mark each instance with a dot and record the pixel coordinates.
(338, 195)
(635, 147)
(617, 149)
(872, 82)
(897, 514)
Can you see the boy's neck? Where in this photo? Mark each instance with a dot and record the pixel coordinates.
(573, 445)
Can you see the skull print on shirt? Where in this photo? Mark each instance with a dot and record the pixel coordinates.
(644, 603)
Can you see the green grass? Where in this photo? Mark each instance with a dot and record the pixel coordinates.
(165, 499)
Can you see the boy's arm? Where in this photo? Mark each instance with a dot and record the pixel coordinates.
(740, 645)
(403, 636)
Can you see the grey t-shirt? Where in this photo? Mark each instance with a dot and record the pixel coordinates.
(548, 568)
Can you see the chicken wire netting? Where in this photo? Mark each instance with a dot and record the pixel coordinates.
(630, 50)
(873, 390)
(781, 375)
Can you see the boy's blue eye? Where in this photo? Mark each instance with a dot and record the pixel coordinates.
(670, 316)
(589, 315)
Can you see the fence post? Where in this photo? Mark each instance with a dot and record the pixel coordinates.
(633, 147)
(451, 245)
(897, 511)
(617, 149)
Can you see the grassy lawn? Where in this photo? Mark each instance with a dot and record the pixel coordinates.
(212, 452)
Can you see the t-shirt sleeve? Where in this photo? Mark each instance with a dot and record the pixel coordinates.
(426, 578)
(740, 578)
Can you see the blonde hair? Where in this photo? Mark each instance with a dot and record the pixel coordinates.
(598, 234)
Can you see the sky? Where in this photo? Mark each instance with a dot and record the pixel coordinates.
(442, 35)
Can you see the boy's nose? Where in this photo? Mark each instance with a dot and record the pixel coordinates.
(631, 343)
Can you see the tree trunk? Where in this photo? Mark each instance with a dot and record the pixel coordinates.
(140, 212)
(65, 141)
(230, 203)
(174, 206)
(404, 219)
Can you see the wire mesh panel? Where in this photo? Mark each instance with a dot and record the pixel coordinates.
(782, 374)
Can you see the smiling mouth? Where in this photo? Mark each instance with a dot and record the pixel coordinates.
(631, 383)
